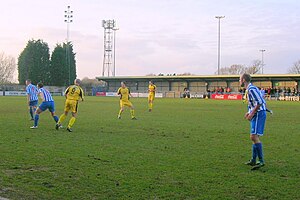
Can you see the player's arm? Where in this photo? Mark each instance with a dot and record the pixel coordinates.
(66, 92)
(28, 96)
(253, 112)
(256, 97)
(129, 94)
(41, 96)
(81, 94)
(28, 99)
(119, 92)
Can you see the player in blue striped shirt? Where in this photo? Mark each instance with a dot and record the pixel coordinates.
(257, 116)
(32, 97)
(48, 103)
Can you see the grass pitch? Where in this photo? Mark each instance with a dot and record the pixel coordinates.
(184, 149)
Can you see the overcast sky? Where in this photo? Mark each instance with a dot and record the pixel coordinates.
(160, 36)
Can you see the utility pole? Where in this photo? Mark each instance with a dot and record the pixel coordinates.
(262, 60)
(68, 20)
(219, 41)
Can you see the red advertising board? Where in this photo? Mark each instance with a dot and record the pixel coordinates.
(100, 93)
(227, 96)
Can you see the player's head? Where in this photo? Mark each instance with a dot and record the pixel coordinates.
(28, 81)
(77, 81)
(245, 79)
(151, 82)
(40, 84)
(123, 84)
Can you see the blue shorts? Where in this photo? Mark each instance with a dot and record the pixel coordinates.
(47, 105)
(258, 123)
(33, 103)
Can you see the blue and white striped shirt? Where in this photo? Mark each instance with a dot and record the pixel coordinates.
(46, 94)
(32, 91)
(255, 98)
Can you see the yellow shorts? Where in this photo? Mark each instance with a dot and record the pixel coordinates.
(71, 105)
(151, 97)
(125, 103)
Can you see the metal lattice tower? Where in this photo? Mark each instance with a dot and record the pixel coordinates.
(109, 59)
(68, 20)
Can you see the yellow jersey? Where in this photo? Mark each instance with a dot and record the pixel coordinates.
(124, 92)
(74, 92)
(152, 89)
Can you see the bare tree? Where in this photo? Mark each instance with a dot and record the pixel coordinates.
(254, 68)
(7, 68)
(185, 74)
(295, 69)
(86, 82)
(151, 74)
(232, 70)
(236, 69)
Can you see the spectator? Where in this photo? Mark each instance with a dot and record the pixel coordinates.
(228, 90)
(263, 92)
(186, 93)
(289, 91)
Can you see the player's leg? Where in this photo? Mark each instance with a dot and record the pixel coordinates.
(34, 106)
(51, 108)
(40, 109)
(258, 146)
(259, 131)
(31, 112)
(150, 102)
(121, 109)
(129, 104)
(32, 109)
(71, 122)
(63, 116)
(252, 161)
(253, 132)
(259, 149)
(74, 107)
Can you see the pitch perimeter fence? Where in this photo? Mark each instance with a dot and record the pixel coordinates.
(20, 90)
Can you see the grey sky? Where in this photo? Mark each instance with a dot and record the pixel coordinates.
(160, 36)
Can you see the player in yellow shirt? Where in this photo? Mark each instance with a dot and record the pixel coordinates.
(151, 95)
(124, 94)
(73, 94)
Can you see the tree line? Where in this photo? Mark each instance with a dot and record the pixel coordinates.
(236, 69)
(7, 68)
(59, 69)
(35, 63)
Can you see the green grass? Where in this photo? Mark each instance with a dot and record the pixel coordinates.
(184, 149)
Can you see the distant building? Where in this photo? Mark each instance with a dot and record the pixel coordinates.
(200, 84)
